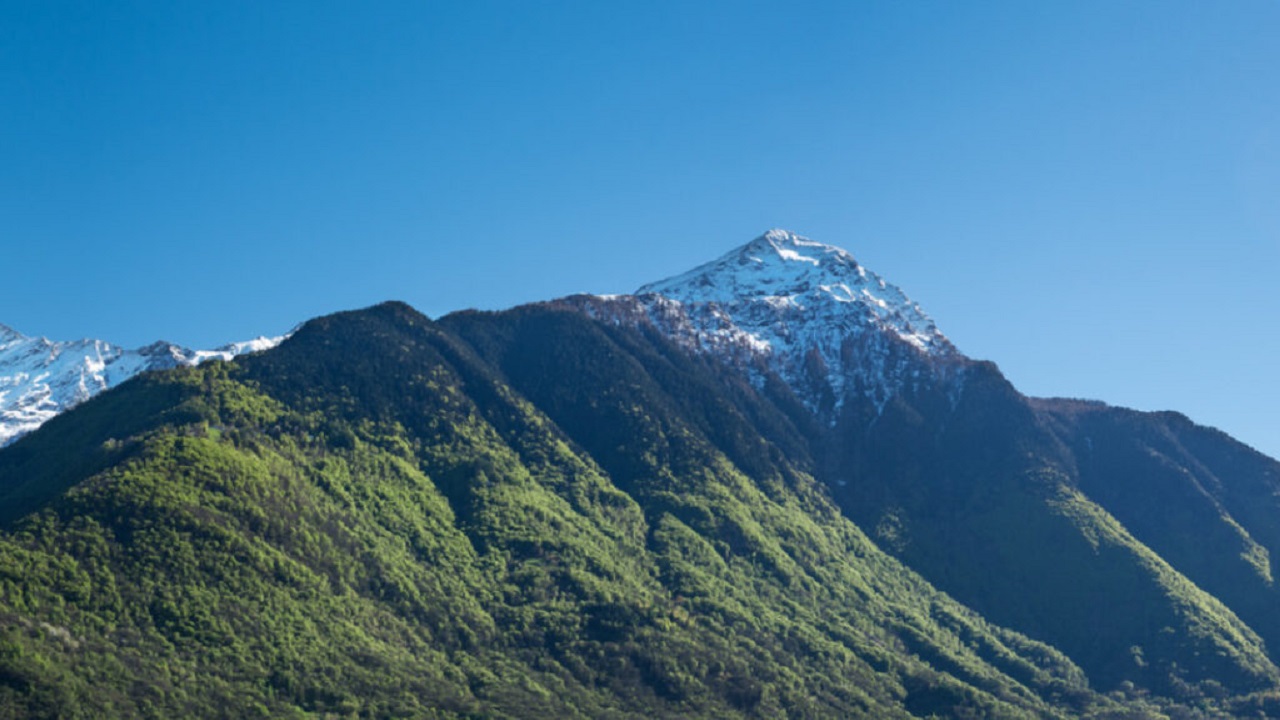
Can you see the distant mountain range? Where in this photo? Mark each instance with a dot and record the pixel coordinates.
(40, 378)
(768, 487)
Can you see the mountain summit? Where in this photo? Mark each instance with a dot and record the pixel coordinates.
(808, 312)
(783, 270)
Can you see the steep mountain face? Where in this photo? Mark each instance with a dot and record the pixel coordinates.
(40, 378)
(769, 487)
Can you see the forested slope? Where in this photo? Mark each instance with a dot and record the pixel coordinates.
(387, 516)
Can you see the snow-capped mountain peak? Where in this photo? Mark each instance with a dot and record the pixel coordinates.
(783, 269)
(777, 263)
(804, 310)
(40, 378)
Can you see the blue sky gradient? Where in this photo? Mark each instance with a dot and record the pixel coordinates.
(1086, 192)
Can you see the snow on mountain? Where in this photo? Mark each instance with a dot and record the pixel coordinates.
(230, 350)
(40, 378)
(806, 311)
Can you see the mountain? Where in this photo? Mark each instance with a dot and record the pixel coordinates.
(806, 312)
(1006, 502)
(399, 531)
(40, 378)
(769, 487)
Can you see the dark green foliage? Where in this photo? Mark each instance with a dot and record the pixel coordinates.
(1208, 505)
(981, 495)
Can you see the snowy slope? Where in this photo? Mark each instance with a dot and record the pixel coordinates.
(806, 311)
(40, 378)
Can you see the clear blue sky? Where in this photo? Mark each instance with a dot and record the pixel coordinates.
(1086, 192)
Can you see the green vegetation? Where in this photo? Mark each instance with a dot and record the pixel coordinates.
(517, 515)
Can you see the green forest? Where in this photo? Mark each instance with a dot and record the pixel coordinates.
(533, 514)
